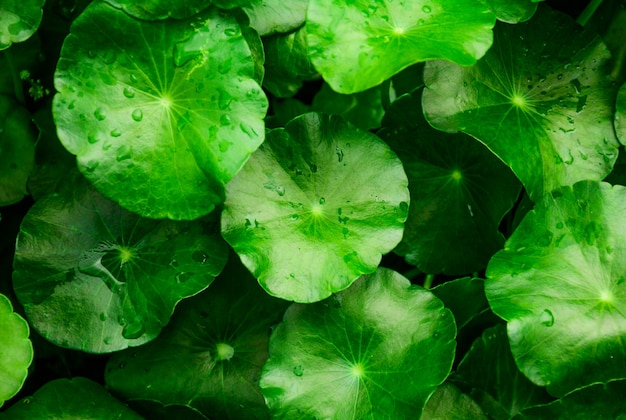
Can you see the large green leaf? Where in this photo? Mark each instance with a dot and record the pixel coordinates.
(559, 282)
(17, 150)
(95, 277)
(449, 403)
(377, 350)
(315, 207)
(160, 114)
(16, 350)
(489, 368)
(19, 19)
(598, 402)
(78, 398)
(459, 192)
(269, 16)
(160, 9)
(358, 44)
(540, 99)
(210, 355)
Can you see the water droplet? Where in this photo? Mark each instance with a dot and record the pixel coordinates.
(133, 330)
(92, 165)
(137, 115)
(426, 9)
(313, 168)
(224, 99)
(107, 145)
(107, 340)
(199, 256)
(92, 138)
(133, 78)
(115, 133)
(559, 225)
(339, 153)
(99, 114)
(225, 66)
(123, 152)
(547, 318)
(183, 276)
(582, 102)
(225, 119)
(122, 365)
(298, 370)
(72, 105)
(559, 76)
(103, 316)
(129, 92)
(280, 190)
(230, 31)
(322, 200)
(294, 217)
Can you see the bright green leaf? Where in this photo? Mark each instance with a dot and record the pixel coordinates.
(78, 398)
(17, 150)
(376, 350)
(16, 350)
(540, 99)
(19, 19)
(210, 355)
(315, 207)
(269, 16)
(490, 369)
(358, 44)
(363, 109)
(160, 114)
(512, 11)
(459, 192)
(598, 402)
(449, 403)
(97, 278)
(559, 282)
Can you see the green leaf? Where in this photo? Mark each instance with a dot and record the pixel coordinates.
(269, 16)
(449, 403)
(286, 63)
(363, 109)
(512, 11)
(459, 192)
(16, 350)
(210, 355)
(620, 114)
(490, 369)
(315, 207)
(78, 398)
(559, 282)
(376, 350)
(160, 114)
(598, 402)
(464, 297)
(154, 410)
(17, 150)
(19, 19)
(540, 99)
(160, 9)
(97, 278)
(358, 44)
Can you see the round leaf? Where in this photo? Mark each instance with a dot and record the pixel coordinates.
(512, 11)
(540, 99)
(376, 350)
(19, 19)
(269, 16)
(559, 282)
(460, 192)
(160, 114)
(78, 398)
(160, 9)
(315, 207)
(97, 278)
(16, 350)
(358, 44)
(210, 355)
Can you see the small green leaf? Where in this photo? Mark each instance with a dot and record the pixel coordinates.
(210, 355)
(315, 207)
(460, 192)
(489, 368)
(540, 99)
(78, 398)
(598, 402)
(358, 44)
(160, 114)
(376, 350)
(19, 19)
(512, 11)
(160, 9)
(363, 109)
(449, 403)
(559, 282)
(94, 277)
(16, 350)
(17, 150)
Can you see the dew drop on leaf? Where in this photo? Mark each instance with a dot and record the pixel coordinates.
(103, 316)
(225, 119)
(99, 114)
(137, 115)
(133, 330)
(547, 318)
(92, 165)
(129, 92)
(123, 152)
(426, 9)
(199, 256)
(230, 32)
(92, 139)
(115, 133)
(133, 78)
(298, 370)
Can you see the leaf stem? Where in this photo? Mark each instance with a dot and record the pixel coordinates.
(17, 82)
(588, 12)
(428, 282)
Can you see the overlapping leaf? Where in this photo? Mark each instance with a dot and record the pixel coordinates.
(356, 45)
(559, 282)
(376, 350)
(95, 277)
(512, 11)
(363, 109)
(160, 9)
(160, 114)
(19, 19)
(315, 207)
(540, 99)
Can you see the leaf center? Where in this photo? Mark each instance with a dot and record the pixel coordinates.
(224, 351)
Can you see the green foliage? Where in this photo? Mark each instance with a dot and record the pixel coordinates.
(421, 203)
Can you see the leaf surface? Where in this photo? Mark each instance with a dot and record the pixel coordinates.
(449, 403)
(19, 19)
(512, 11)
(540, 99)
(160, 9)
(315, 207)
(376, 350)
(559, 282)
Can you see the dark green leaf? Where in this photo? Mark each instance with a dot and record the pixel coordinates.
(512, 11)
(160, 9)
(376, 350)
(464, 297)
(19, 19)
(363, 109)
(315, 207)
